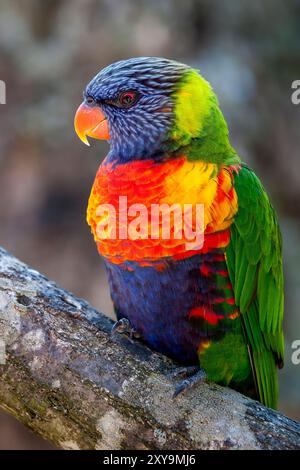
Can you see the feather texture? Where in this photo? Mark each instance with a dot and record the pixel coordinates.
(254, 262)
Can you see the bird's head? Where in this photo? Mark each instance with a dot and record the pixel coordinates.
(148, 107)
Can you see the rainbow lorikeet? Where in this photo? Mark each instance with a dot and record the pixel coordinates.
(218, 305)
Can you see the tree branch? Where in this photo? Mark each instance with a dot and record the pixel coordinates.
(67, 380)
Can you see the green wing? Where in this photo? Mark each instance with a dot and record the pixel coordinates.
(254, 263)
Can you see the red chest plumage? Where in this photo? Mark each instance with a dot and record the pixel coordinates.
(167, 183)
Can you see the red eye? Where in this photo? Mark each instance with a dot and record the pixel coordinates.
(127, 98)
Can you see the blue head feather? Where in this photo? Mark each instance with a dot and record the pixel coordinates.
(140, 131)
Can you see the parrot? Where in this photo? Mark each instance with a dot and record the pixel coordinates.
(215, 308)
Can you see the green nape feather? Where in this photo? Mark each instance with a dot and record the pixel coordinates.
(255, 267)
(200, 130)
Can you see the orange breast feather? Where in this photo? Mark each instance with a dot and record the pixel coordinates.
(177, 182)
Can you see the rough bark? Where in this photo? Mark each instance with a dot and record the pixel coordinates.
(64, 377)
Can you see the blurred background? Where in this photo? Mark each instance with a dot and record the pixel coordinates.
(50, 49)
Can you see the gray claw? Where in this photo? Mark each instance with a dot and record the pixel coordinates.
(184, 372)
(121, 326)
(124, 326)
(189, 382)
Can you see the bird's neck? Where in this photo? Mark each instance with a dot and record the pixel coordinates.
(210, 150)
(195, 151)
(210, 145)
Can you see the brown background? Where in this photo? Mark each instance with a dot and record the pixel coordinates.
(250, 51)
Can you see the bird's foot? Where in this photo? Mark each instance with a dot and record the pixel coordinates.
(192, 376)
(124, 326)
(184, 372)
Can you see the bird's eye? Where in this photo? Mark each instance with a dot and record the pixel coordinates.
(127, 99)
(90, 101)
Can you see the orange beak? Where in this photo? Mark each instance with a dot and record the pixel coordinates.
(90, 122)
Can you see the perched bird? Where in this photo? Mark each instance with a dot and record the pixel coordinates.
(219, 305)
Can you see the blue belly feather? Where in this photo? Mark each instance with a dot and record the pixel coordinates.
(157, 303)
